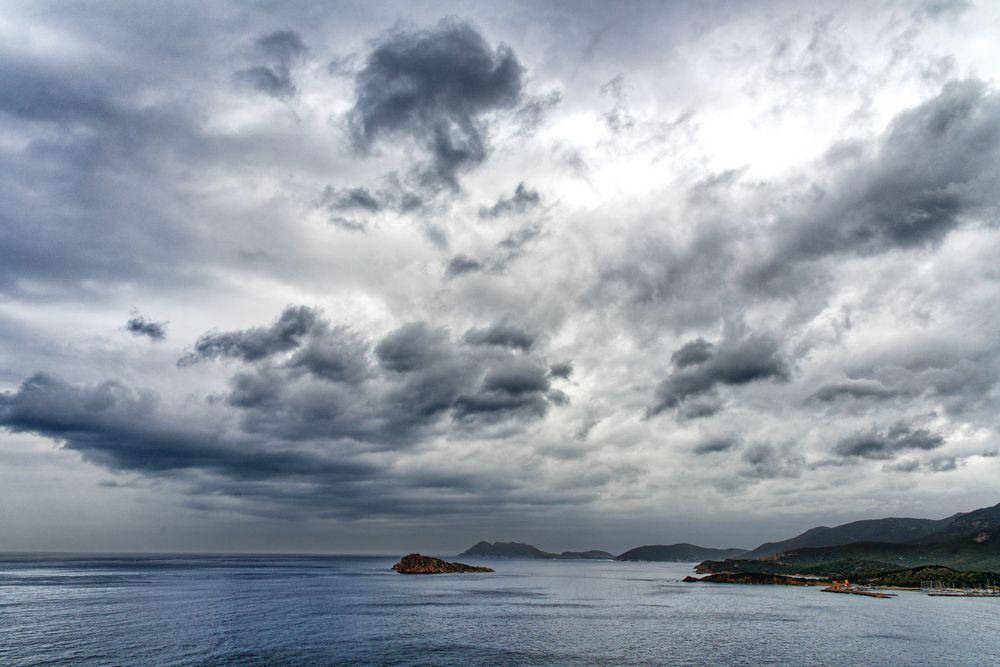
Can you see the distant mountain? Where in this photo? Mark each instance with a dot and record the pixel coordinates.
(979, 551)
(678, 553)
(519, 550)
(594, 554)
(888, 531)
(892, 530)
(966, 524)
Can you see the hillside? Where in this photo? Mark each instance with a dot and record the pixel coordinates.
(892, 530)
(966, 524)
(678, 553)
(977, 552)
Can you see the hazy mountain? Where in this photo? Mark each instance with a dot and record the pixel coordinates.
(519, 550)
(680, 553)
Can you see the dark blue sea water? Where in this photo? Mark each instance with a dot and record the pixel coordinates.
(354, 611)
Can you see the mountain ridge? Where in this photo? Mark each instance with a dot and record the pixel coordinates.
(484, 549)
(683, 552)
(889, 530)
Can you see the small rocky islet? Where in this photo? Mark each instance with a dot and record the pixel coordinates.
(417, 564)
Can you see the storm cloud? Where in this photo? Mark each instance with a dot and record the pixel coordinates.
(280, 50)
(436, 87)
(936, 166)
(886, 444)
(524, 199)
(138, 325)
(605, 271)
(282, 335)
(700, 367)
(503, 334)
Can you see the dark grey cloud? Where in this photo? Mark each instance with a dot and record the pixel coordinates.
(352, 199)
(283, 335)
(280, 51)
(857, 389)
(331, 388)
(700, 367)
(937, 165)
(40, 92)
(562, 370)
(516, 389)
(766, 461)
(337, 354)
(715, 445)
(509, 249)
(459, 265)
(73, 190)
(692, 352)
(520, 376)
(558, 397)
(354, 208)
(503, 334)
(310, 400)
(436, 86)
(514, 244)
(138, 325)
(413, 347)
(886, 444)
(935, 464)
(523, 200)
(699, 408)
(122, 428)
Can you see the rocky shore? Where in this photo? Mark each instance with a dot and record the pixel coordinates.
(417, 564)
(756, 578)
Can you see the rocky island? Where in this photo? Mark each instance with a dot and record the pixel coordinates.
(417, 564)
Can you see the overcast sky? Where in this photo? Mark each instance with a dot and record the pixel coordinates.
(350, 277)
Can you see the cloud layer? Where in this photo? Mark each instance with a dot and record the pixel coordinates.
(564, 271)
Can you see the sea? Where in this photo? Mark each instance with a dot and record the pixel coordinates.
(311, 610)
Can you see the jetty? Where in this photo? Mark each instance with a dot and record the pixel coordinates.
(848, 588)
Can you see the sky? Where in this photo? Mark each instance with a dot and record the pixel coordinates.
(357, 277)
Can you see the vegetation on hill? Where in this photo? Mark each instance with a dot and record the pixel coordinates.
(678, 553)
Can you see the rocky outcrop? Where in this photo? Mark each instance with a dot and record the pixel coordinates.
(417, 564)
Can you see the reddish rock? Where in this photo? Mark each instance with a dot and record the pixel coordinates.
(417, 564)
